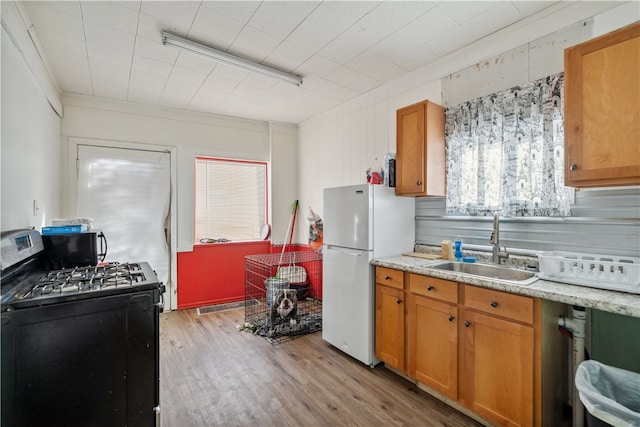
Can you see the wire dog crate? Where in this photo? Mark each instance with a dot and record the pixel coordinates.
(266, 276)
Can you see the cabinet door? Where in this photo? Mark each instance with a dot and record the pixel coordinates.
(410, 155)
(432, 344)
(390, 326)
(602, 110)
(420, 154)
(498, 369)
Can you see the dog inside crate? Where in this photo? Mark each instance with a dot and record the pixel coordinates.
(284, 308)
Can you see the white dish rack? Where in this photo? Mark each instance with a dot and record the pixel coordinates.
(618, 273)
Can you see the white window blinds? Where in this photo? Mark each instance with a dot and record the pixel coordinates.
(231, 199)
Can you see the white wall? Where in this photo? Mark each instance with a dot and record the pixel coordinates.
(336, 147)
(528, 62)
(31, 159)
(284, 166)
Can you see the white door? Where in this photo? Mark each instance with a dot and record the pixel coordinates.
(127, 194)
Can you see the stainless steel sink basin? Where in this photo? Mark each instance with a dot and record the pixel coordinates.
(490, 271)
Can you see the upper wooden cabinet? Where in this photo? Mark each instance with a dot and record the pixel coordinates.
(602, 110)
(420, 152)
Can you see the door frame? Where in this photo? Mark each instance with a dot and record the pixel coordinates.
(171, 294)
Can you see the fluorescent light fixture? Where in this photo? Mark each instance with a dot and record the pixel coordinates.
(226, 58)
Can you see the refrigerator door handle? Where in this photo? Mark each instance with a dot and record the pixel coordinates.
(343, 250)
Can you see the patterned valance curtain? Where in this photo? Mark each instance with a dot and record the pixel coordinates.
(505, 151)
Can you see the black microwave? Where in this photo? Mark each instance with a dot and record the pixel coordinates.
(74, 249)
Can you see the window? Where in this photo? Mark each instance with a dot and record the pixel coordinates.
(231, 199)
(505, 152)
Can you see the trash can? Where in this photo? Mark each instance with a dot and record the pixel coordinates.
(611, 395)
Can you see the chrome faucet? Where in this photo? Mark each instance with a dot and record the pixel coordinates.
(495, 240)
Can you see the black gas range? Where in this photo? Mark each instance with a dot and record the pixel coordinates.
(80, 346)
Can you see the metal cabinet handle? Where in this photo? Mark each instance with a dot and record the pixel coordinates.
(398, 301)
(418, 182)
(573, 167)
(387, 277)
(493, 304)
(451, 318)
(429, 288)
(467, 323)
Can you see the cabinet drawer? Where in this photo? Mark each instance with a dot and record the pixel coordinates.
(433, 287)
(516, 307)
(390, 277)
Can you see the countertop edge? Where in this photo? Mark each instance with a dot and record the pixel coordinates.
(611, 301)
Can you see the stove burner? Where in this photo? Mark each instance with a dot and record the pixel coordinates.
(86, 279)
(69, 287)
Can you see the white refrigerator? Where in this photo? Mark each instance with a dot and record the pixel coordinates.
(361, 222)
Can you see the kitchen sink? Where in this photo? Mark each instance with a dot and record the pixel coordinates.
(522, 277)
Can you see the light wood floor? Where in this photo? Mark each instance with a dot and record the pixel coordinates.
(213, 375)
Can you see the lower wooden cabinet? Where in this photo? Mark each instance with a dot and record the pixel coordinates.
(498, 354)
(497, 370)
(432, 344)
(390, 326)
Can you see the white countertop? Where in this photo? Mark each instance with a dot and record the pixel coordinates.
(615, 302)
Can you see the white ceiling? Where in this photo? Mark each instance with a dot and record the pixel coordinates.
(342, 49)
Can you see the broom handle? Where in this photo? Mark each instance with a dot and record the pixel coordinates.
(293, 225)
(294, 207)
